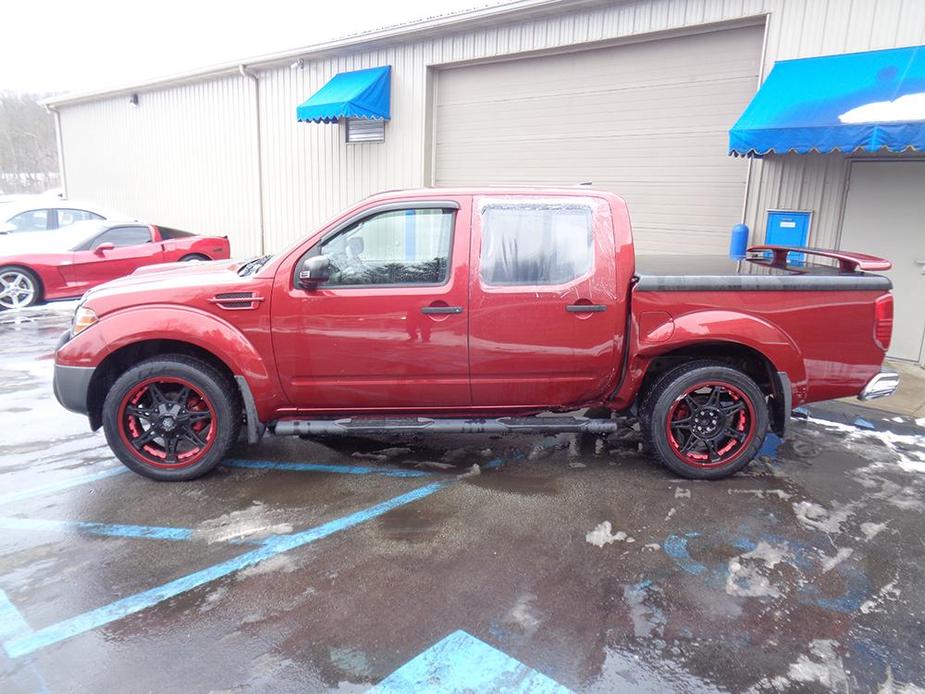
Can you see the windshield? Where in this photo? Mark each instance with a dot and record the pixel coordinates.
(70, 238)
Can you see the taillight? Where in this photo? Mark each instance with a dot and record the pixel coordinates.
(883, 321)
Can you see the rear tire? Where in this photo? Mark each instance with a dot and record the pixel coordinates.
(193, 256)
(19, 288)
(705, 420)
(172, 417)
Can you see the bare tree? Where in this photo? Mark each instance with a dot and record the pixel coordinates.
(28, 151)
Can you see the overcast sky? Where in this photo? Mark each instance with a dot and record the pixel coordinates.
(76, 45)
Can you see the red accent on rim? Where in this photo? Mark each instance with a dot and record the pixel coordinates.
(710, 425)
(167, 422)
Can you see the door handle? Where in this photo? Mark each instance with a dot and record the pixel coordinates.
(434, 310)
(919, 261)
(586, 308)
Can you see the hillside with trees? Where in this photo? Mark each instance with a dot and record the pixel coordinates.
(28, 150)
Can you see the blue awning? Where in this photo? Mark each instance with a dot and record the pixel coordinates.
(859, 101)
(358, 94)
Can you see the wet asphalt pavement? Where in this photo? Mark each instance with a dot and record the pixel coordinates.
(555, 563)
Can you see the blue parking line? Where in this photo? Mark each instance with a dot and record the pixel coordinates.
(60, 486)
(462, 663)
(317, 467)
(68, 628)
(152, 532)
(12, 624)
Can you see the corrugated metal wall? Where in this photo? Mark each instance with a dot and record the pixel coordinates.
(140, 158)
(800, 29)
(184, 157)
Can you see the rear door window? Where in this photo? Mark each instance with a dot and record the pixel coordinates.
(535, 245)
(68, 216)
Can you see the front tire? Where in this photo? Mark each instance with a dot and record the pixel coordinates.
(705, 420)
(19, 288)
(172, 417)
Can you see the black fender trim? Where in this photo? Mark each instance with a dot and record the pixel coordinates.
(781, 403)
(255, 428)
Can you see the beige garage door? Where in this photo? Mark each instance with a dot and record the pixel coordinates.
(648, 121)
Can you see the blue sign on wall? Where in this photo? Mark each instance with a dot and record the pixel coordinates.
(788, 228)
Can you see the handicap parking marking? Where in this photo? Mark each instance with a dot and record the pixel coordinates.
(318, 467)
(152, 532)
(462, 663)
(24, 644)
(60, 486)
(12, 624)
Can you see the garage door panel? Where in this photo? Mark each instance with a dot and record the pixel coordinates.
(710, 56)
(648, 121)
(605, 111)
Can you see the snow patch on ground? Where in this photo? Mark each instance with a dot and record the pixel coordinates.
(523, 614)
(888, 592)
(281, 562)
(900, 445)
(817, 517)
(871, 530)
(747, 572)
(829, 563)
(762, 493)
(251, 523)
(603, 535)
(823, 665)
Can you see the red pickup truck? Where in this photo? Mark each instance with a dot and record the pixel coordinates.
(473, 310)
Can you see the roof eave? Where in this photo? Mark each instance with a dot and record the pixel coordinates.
(450, 22)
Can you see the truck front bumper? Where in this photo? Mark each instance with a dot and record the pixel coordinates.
(71, 385)
(883, 384)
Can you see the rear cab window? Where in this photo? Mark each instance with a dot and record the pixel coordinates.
(535, 243)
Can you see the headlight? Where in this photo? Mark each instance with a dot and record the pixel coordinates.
(83, 318)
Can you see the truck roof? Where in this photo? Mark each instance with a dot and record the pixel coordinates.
(575, 191)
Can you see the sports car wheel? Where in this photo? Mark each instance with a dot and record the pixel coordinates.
(705, 420)
(172, 418)
(19, 288)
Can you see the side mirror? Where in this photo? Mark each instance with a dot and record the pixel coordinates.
(7, 228)
(103, 247)
(315, 270)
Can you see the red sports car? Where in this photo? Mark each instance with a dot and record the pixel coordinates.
(63, 264)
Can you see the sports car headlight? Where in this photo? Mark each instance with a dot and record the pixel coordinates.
(83, 318)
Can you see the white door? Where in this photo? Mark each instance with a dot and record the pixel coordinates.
(885, 216)
(648, 121)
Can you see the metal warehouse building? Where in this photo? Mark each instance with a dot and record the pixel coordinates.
(637, 96)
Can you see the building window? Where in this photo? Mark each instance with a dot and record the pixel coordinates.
(365, 130)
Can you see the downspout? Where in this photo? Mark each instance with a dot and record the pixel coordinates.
(259, 145)
(748, 170)
(59, 141)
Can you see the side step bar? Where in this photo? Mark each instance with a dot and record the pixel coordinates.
(503, 425)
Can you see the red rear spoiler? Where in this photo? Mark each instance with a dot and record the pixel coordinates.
(847, 262)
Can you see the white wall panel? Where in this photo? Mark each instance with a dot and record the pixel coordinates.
(183, 157)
